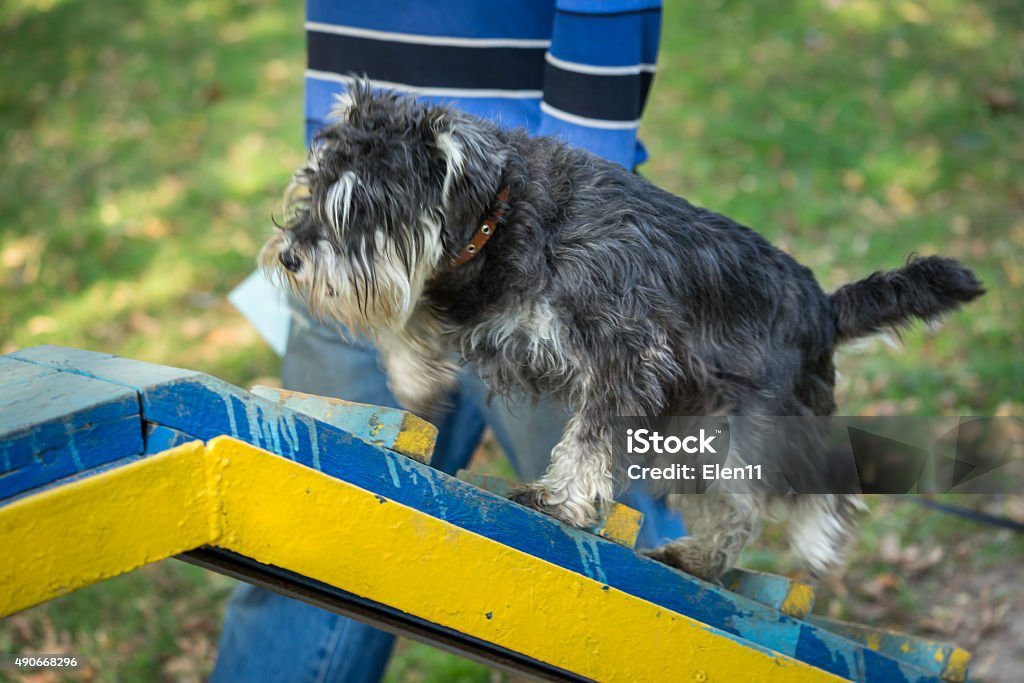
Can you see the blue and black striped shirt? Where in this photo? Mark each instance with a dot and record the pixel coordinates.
(577, 69)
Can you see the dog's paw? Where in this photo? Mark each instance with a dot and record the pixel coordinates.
(691, 556)
(431, 406)
(581, 514)
(433, 410)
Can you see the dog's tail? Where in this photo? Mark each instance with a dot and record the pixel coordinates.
(925, 288)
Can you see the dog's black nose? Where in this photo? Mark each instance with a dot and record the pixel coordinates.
(290, 261)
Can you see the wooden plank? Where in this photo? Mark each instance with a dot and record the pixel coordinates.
(231, 495)
(199, 405)
(160, 438)
(54, 424)
(205, 407)
(944, 659)
(787, 595)
(70, 536)
(470, 583)
(621, 524)
(396, 430)
(83, 451)
(374, 613)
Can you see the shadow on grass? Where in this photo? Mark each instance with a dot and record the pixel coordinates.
(144, 145)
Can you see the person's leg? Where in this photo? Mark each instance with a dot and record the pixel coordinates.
(268, 637)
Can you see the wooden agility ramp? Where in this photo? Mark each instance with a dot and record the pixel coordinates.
(107, 464)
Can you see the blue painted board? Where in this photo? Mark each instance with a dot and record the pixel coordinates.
(113, 369)
(930, 655)
(160, 438)
(194, 403)
(53, 424)
(84, 450)
(378, 425)
(768, 589)
(205, 407)
(31, 395)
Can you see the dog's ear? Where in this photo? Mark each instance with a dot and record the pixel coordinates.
(473, 157)
(461, 145)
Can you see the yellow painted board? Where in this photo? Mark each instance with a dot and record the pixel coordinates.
(416, 438)
(300, 519)
(277, 512)
(622, 525)
(956, 666)
(798, 601)
(76, 534)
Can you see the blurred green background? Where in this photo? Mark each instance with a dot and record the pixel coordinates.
(144, 146)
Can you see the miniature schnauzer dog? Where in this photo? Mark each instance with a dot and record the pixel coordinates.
(440, 235)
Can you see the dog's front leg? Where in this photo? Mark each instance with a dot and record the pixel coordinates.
(420, 371)
(578, 482)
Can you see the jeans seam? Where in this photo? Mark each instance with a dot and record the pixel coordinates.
(330, 646)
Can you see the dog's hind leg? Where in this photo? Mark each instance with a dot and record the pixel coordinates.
(721, 526)
(728, 516)
(820, 528)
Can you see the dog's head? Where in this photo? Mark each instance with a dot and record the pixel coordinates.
(388, 193)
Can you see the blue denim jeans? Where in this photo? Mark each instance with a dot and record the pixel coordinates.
(271, 638)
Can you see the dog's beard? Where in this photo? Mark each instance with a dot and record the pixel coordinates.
(372, 289)
(364, 214)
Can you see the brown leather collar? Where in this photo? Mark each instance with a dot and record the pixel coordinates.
(484, 232)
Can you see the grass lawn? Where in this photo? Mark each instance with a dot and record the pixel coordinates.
(144, 146)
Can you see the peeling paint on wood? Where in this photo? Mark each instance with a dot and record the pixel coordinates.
(397, 430)
(789, 596)
(228, 494)
(54, 424)
(945, 659)
(199, 405)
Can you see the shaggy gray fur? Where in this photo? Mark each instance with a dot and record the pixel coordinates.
(597, 287)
